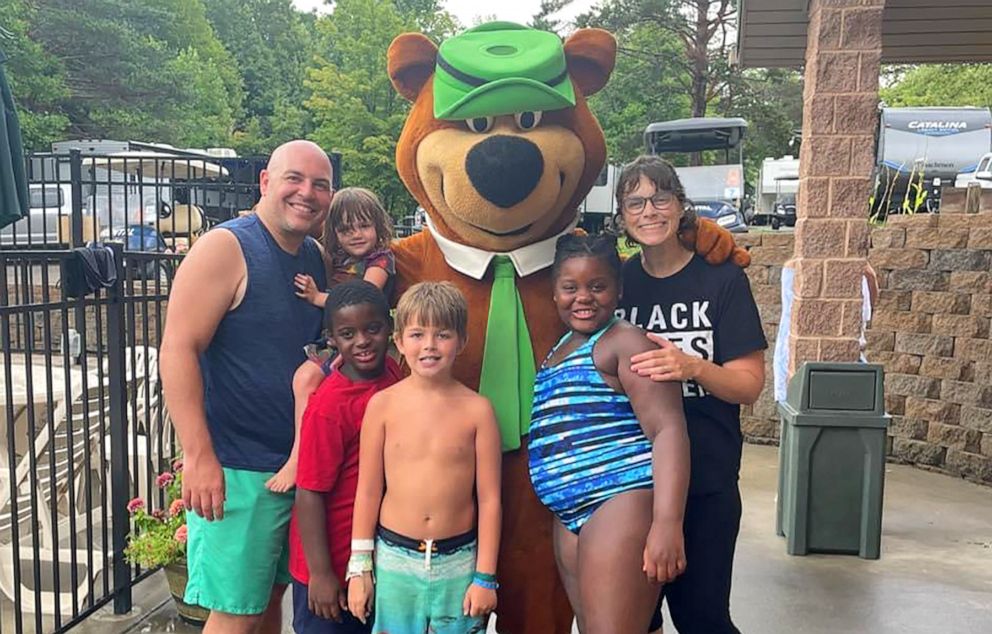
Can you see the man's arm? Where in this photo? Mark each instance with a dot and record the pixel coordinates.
(208, 284)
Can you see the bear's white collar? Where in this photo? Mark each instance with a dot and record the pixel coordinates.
(474, 262)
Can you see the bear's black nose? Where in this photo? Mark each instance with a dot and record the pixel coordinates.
(504, 169)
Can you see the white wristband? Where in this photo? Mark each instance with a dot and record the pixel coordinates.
(359, 563)
(362, 545)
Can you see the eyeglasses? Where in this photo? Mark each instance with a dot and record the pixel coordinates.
(660, 201)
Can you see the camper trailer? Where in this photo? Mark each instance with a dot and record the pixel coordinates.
(921, 150)
(597, 207)
(775, 198)
(119, 184)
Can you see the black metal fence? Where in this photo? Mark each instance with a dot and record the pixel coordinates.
(148, 200)
(85, 431)
(83, 425)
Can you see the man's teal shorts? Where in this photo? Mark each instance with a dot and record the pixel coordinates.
(234, 562)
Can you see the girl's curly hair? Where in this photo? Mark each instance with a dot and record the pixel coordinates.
(577, 245)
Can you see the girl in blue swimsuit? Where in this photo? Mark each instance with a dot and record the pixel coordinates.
(608, 449)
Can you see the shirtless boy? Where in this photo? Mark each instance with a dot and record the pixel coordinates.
(430, 448)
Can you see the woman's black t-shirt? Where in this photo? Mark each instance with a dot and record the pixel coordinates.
(707, 311)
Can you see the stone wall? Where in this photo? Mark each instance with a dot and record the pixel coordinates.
(769, 251)
(930, 330)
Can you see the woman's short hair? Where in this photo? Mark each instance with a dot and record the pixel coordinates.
(663, 176)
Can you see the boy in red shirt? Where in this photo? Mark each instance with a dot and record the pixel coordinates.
(356, 317)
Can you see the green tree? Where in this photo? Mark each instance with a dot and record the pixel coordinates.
(672, 63)
(429, 17)
(352, 104)
(771, 101)
(37, 78)
(641, 90)
(705, 29)
(941, 85)
(273, 44)
(188, 27)
(544, 18)
(132, 72)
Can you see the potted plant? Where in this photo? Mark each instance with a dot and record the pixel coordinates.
(158, 539)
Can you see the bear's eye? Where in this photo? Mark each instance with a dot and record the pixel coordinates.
(480, 125)
(527, 120)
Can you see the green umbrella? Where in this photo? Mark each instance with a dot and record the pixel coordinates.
(13, 180)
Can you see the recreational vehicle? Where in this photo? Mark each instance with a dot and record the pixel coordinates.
(921, 150)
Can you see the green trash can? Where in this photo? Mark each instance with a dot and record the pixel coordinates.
(832, 460)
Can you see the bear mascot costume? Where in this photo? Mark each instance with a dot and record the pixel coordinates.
(500, 148)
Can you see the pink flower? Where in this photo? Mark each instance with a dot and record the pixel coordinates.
(158, 514)
(135, 505)
(181, 534)
(176, 507)
(164, 479)
(177, 464)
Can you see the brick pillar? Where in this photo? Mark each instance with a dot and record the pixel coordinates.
(840, 102)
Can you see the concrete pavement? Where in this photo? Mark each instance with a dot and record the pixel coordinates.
(935, 574)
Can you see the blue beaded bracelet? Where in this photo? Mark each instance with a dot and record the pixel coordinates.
(482, 581)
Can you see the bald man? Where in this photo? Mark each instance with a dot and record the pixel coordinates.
(233, 337)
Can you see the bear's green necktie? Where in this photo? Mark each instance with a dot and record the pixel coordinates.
(508, 359)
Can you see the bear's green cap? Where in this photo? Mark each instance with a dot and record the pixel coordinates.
(500, 68)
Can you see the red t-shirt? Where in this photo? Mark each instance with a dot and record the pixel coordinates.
(328, 461)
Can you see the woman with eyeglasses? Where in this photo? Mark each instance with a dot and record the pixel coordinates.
(706, 324)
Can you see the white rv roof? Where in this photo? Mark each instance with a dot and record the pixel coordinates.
(698, 123)
(779, 170)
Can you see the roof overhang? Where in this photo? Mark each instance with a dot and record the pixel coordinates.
(772, 33)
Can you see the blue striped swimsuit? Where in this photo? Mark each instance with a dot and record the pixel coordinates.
(585, 445)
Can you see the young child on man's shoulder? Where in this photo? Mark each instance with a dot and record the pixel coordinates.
(430, 449)
(356, 317)
(356, 238)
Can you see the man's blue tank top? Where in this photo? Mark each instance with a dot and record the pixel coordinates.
(248, 367)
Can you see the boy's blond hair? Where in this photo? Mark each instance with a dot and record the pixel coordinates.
(433, 304)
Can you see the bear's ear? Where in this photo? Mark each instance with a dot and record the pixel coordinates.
(410, 61)
(591, 54)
